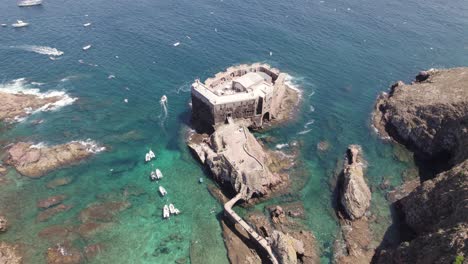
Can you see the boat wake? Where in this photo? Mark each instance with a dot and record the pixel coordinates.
(309, 123)
(22, 86)
(304, 132)
(164, 113)
(44, 50)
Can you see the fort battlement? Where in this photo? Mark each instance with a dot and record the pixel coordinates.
(249, 92)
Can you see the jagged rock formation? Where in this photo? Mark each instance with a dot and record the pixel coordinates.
(235, 157)
(286, 247)
(431, 118)
(35, 162)
(430, 115)
(437, 212)
(354, 245)
(355, 195)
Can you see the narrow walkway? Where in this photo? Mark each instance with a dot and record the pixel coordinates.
(262, 242)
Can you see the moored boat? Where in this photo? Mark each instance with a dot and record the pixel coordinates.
(166, 213)
(171, 209)
(25, 3)
(159, 174)
(87, 47)
(162, 191)
(20, 23)
(153, 176)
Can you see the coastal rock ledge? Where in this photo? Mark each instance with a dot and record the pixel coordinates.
(35, 160)
(429, 116)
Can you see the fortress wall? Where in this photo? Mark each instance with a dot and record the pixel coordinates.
(240, 70)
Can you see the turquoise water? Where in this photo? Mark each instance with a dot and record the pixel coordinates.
(340, 53)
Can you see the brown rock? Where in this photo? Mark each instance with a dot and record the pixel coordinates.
(103, 212)
(51, 201)
(57, 233)
(16, 105)
(89, 229)
(59, 182)
(323, 145)
(430, 116)
(402, 190)
(3, 171)
(286, 247)
(35, 162)
(50, 212)
(10, 254)
(91, 251)
(355, 195)
(3, 223)
(63, 254)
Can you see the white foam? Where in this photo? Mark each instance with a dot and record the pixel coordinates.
(291, 82)
(309, 123)
(22, 86)
(304, 132)
(311, 108)
(38, 145)
(281, 146)
(44, 50)
(91, 145)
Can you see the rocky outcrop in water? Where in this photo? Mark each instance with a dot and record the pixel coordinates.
(436, 212)
(286, 247)
(355, 195)
(64, 254)
(354, 245)
(51, 201)
(34, 161)
(430, 116)
(15, 106)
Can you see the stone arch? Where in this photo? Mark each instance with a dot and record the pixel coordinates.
(266, 116)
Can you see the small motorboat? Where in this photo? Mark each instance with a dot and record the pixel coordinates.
(87, 47)
(162, 191)
(87, 24)
(25, 3)
(153, 176)
(151, 153)
(171, 209)
(176, 211)
(163, 99)
(125, 100)
(147, 157)
(200, 180)
(20, 23)
(176, 44)
(4, 25)
(166, 213)
(159, 174)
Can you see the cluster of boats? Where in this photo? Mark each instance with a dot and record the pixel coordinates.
(155, 175)
(149, 156)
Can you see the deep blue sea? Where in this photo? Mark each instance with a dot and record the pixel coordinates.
(341, 54)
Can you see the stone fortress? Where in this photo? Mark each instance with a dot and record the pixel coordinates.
(249, 92)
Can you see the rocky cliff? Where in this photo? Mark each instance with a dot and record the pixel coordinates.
(430, 115)
(437, 212)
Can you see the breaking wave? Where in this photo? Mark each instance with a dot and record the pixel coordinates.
(91, 145)
(281, 146)
(293, 83)
(22, 86)
(304, 132)
(44, 50)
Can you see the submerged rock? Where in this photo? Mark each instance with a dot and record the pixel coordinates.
(58, 233)
(103, 212)
(355, 195)
(50, 212)
(10, 254)
(35, 161)
(51, 201)
(59, 182)
(63, 254)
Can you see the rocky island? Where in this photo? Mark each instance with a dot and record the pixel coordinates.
(430, 117)
(224, 108)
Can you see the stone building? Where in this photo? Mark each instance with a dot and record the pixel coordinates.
(249, 92)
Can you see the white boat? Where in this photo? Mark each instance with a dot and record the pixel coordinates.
(87, 24)
(126, 100)
(200, 180)
(176, 44)
(86, 47)
(4, 25)
(163, 99)
(162, 191)
(20, 23)
(159, 174)
(166, 212)
(147, 157)
(23, 3)
(171, 209)
(151, 153)
(153, 176)
(176, 211)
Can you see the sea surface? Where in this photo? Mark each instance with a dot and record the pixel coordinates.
(340, 54)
